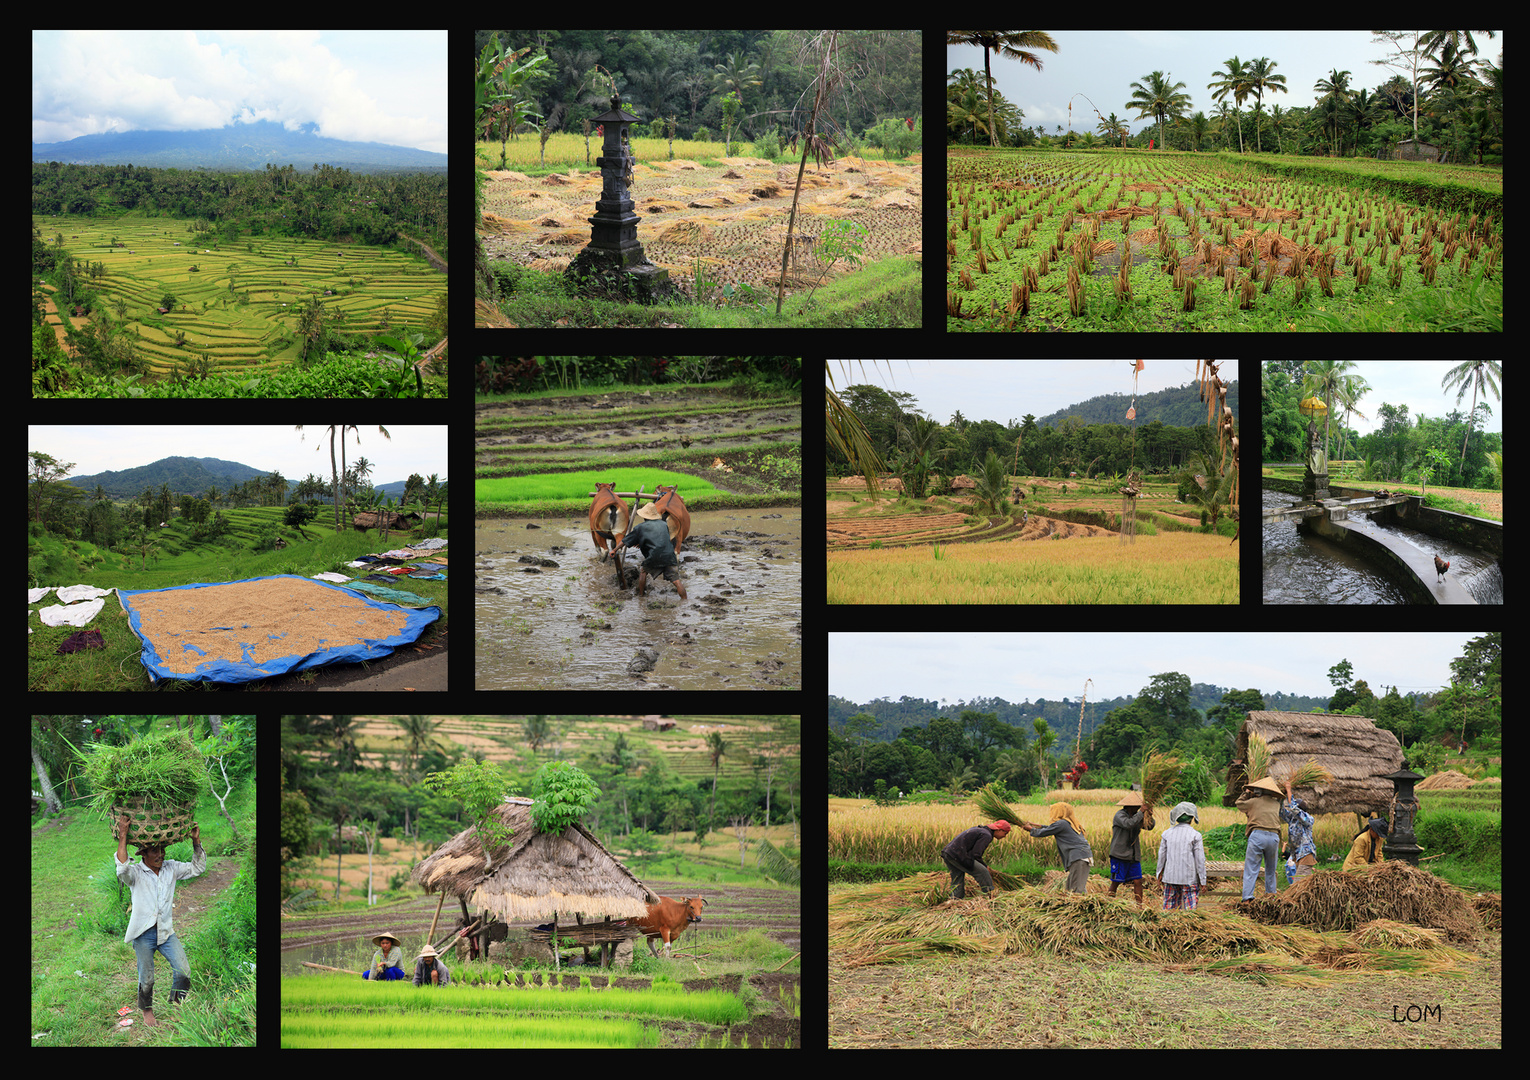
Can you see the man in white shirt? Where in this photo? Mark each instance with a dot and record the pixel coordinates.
(150, 928)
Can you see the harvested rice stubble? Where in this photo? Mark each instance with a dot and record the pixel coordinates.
(271, 618)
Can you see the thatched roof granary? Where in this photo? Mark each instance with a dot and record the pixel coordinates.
(1352, 748)
(535, 874)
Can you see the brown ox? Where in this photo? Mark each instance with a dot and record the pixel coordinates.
(667, 918)
(679, 518)
(609, 518)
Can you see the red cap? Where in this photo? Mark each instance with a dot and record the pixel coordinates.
(1000, 826)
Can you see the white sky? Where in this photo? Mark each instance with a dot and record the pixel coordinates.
(1005, 390)
(1025, 667)
(1418, 385)
(1104, 63)
(96, 449)
(386, 86)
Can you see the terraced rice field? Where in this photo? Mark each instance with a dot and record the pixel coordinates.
(731, 216)
(1132, 241)
(237, 303)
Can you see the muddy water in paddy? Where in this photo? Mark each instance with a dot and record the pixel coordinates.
(568, 625)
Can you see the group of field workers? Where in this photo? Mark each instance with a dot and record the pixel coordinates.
(388, 964)
(1181, 853)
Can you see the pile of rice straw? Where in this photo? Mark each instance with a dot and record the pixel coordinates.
(891, 922)
(1343, 899)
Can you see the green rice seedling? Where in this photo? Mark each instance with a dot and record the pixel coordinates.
(348, 992)
(352, 1029)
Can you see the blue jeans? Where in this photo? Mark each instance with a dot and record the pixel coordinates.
(144, 945)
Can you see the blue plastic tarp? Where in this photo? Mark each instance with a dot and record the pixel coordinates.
(236, 631)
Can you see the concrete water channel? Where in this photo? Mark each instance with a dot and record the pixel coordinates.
(1397, 538)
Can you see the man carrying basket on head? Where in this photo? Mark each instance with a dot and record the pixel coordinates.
(150, 928)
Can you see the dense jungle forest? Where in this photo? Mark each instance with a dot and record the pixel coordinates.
(323, 203)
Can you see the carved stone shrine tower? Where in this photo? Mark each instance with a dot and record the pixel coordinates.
(613, 257)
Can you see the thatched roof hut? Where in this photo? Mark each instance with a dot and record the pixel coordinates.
(535, 874)
(369, 519)
(1352, 748)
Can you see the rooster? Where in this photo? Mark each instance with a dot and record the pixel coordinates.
(1440, 566)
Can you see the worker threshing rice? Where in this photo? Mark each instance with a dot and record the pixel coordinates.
(964, 855)
(1182, 859)
(1072, 844)
(1261, 802)
(1125, 846)
(1301, 852)
(1367, 845)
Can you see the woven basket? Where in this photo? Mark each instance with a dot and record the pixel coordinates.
(153, 823)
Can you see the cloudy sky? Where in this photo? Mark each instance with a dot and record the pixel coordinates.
(1104, 63)
(1416, 384)
(96, 448)
(1025, 667)
(1005, 390)
(386, 86)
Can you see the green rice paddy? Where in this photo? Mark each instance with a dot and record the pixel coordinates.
(239, 304)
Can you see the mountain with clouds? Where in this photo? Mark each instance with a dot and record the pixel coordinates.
(238, 147)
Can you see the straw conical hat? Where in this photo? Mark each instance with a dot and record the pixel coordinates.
(378, 940)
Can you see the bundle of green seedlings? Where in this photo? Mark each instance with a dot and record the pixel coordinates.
(165, 769)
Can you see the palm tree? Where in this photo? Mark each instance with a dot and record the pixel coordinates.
(1232, 81)
(1335, 90)
(1482, 375)
(1159, 99)
(1260, 80)
(1011, 44)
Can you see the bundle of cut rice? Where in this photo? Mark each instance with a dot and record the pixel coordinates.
(1261, 764)
(989, 803)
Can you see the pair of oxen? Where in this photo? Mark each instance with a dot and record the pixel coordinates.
(610, 518)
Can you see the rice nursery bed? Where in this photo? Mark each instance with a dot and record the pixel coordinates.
(1169, 241)
(344, 1011)
(1345, 926)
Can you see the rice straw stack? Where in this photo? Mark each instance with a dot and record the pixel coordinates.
(1261, 764)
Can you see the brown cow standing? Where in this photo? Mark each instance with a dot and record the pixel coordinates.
(609, 518)
(670, 504)
(667, 918)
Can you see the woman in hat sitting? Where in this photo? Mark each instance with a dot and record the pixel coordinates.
(387, 961)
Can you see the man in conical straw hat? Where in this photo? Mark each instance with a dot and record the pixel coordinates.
(388, 960)
(428, 969)
(650, 535)
(1125, 844)
(1261, 802)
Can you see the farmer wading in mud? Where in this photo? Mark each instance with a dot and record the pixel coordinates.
(153, 884)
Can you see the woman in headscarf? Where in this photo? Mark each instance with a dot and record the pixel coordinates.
(1182, 859)
(1072, 844)
(964, 854)
(1367, 845)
